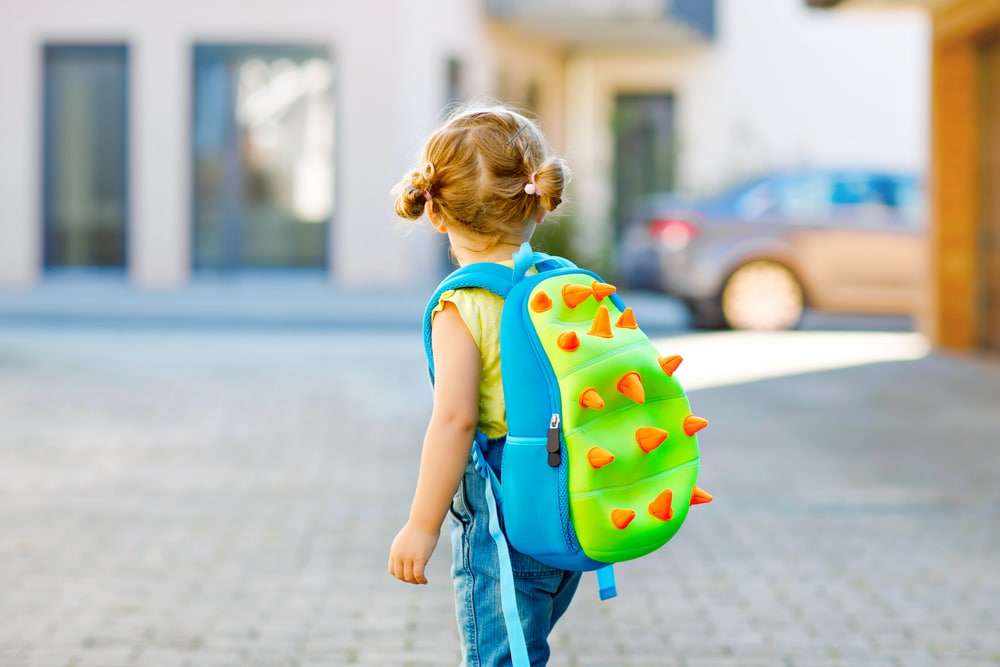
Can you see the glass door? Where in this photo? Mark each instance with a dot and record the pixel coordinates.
(85, 156)
(263, 122)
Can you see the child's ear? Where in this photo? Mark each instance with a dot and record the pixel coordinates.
(436, 221)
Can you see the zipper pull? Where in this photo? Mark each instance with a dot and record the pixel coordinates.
(552, 445)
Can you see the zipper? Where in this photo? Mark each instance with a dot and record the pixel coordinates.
(552, 386)
(552, 445)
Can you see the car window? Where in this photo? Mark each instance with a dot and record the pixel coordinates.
(862, 200)
(787, 197)
(896, 201)
(908, 198)
(851, 190)
(852, 198)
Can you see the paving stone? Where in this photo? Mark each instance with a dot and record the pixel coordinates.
(227, 497)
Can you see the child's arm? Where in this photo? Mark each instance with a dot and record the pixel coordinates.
(446, 445)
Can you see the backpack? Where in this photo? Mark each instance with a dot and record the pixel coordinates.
(601, 458)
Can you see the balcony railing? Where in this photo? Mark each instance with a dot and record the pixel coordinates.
(600, 21)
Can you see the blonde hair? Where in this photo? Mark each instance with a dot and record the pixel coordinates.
(474, 170)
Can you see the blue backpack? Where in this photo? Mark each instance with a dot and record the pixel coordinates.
(601, 458)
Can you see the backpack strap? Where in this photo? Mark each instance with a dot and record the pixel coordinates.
(606, 587)
(496, 278)
(525, 258)
(508, 592)
(493, 277)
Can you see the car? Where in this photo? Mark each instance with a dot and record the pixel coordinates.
(757, 255)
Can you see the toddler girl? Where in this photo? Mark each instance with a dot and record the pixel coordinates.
(486, 179)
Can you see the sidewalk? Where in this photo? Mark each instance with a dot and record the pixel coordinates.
(281, 301)
(225, 497)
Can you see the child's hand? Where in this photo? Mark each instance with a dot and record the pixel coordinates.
(410, 552)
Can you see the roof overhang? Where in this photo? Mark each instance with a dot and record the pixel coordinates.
(587, 23)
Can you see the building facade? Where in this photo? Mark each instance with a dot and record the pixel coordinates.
(161, 139)
(169, 140)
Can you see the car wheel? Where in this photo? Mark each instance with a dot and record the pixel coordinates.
(762, 295)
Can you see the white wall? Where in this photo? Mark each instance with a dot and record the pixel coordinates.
(789, 86)
(389, 61)
(20, 142)
(417, 93)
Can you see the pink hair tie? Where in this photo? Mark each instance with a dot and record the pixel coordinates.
(530, 186)
(427, 195)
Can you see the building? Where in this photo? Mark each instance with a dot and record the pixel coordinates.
(162, 141)
(965, 169)
(753, 86)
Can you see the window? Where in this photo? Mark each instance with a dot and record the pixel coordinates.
(85, 155)
(263, 156)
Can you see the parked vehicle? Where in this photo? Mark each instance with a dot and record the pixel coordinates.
(755, 256)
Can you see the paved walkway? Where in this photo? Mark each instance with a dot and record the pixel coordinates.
(225, 497)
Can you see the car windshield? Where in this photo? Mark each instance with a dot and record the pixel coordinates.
(733, 194)
(825, 194)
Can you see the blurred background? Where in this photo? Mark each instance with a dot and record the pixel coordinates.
(162, 144)
(212, 384)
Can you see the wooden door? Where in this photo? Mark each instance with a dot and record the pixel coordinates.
(989, 196)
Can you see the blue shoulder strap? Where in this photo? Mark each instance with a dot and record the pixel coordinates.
(497, 278)
(494, 277)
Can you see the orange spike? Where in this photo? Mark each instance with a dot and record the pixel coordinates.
(649, 438)
(631, 386)
(574, 295)
(627, 320)
(694, 424)
(602, 290)
(602, 324)
(670, 364)
(700, 497)
(622, 518)
(568, 341)
(661, 506)
(541, 302)
(591, 399)
(598, 457)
